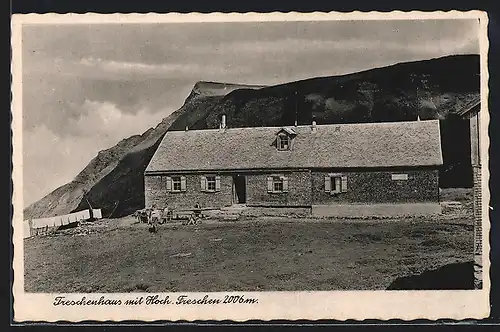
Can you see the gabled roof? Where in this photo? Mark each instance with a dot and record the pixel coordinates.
(287, 130)
(415, 143)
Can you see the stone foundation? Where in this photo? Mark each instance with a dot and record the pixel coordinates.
(277, 211)
(376, 210)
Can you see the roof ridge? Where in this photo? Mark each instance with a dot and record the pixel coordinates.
(390, 123)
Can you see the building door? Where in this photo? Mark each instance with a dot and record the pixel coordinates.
(240, 189)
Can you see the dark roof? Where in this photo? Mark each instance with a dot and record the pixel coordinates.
(470, 107)
(415, 143)
(287, 130)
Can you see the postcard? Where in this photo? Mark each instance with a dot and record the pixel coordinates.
(250, 166)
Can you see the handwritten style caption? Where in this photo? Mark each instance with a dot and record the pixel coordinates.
(155, 300)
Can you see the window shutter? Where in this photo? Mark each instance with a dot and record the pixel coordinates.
(328, 184)
(344, 183)
(217, 183)
(183, 183)
(285, 184)
(203, 183)
(169, 184)
(269, 184)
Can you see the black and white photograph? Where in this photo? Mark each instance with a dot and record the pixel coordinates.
(191, 161)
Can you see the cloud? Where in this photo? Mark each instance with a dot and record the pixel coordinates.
(51, 160)
(55, 101)
(104, 69)
(150, 70)
(104, 120)
(289, 46)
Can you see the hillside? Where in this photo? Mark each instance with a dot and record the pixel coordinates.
(431, 89)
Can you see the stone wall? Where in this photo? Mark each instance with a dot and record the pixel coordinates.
(378, 187)
(298, 195)
(156, 193)
(305, 189)
(478, 227)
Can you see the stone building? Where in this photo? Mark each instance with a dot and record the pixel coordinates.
(329, 170)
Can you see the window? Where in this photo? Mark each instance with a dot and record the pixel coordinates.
(176, 183)
(283, 142)
(210, 183)
(284, 138)
(335, 183)
(277, 184)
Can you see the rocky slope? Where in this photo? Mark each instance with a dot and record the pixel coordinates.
(432, 89)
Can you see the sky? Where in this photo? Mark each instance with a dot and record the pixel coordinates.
(88, 86)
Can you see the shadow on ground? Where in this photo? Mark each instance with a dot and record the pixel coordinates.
(68, 226)
(451, 276)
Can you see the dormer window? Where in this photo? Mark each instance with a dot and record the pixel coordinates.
(283, 142)
(284, 139)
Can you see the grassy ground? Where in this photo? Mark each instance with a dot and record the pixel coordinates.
(261, 255)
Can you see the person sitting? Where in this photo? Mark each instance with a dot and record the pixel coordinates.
(197, 210)
(167, 214)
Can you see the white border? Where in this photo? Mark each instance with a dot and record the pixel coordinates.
(338, 305)
(89, 18)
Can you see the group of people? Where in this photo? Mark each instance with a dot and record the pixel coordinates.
(154, 216)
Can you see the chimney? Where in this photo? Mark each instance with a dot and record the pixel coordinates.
(223, 122)
(313, 125)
